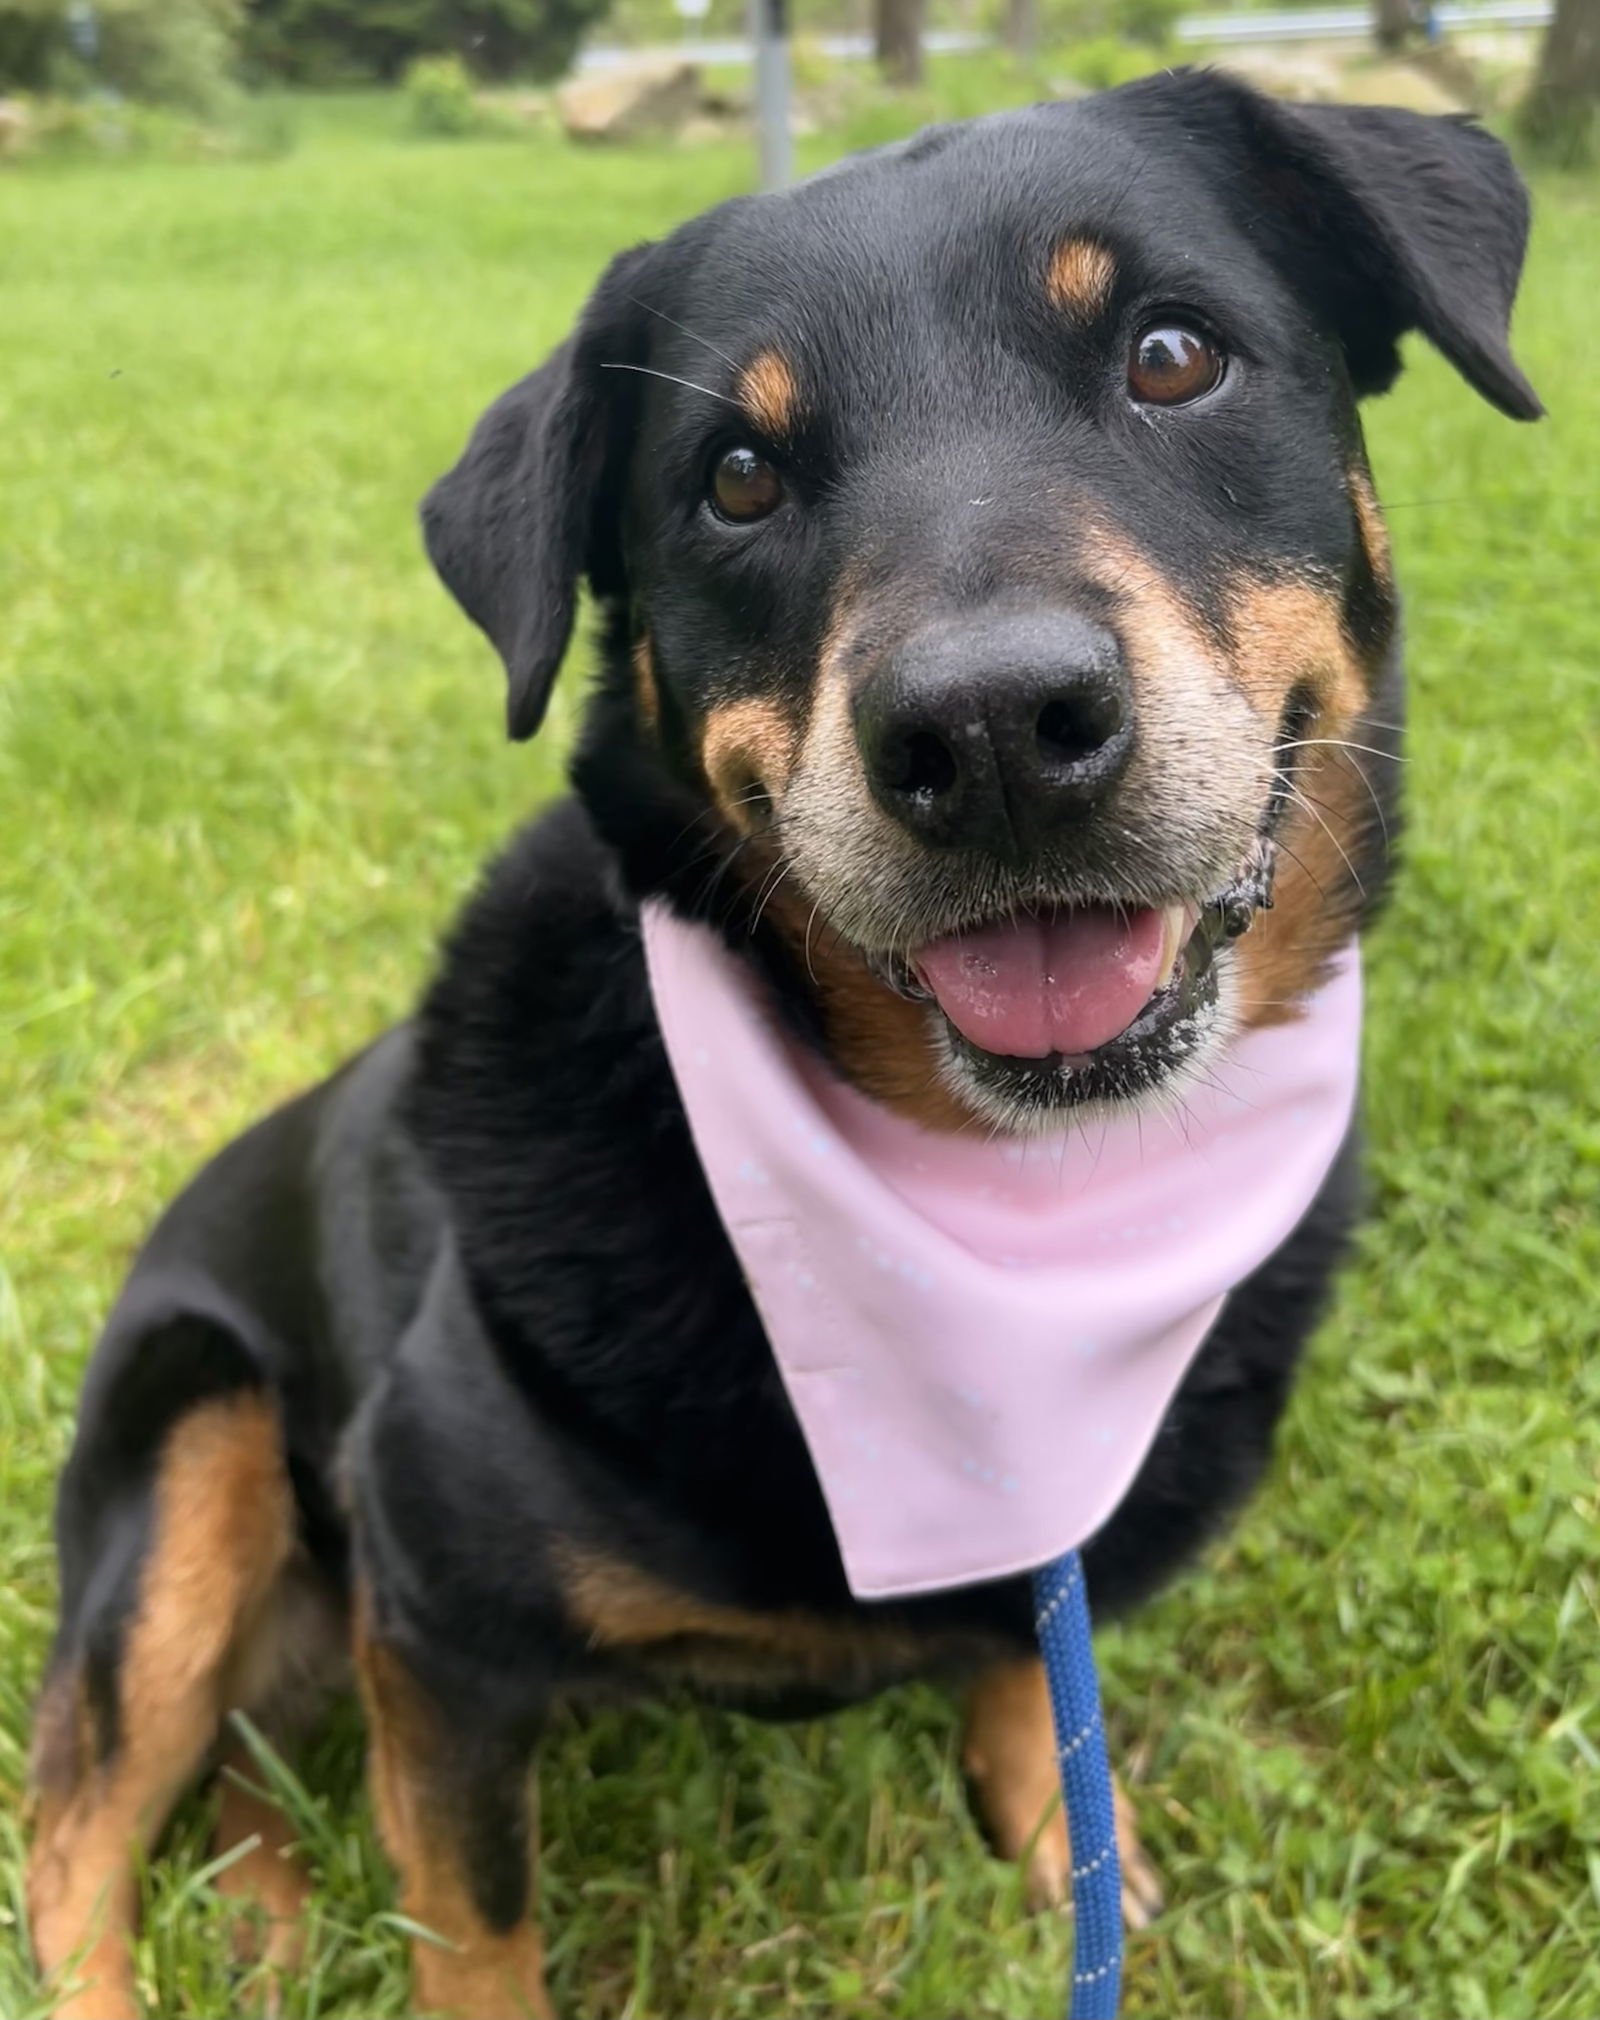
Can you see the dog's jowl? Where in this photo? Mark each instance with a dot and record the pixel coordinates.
(993, 750)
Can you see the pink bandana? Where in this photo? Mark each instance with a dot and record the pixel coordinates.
(980, 1337)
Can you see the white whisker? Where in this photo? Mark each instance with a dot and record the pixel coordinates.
(650, 310)
(1343, 743)
(1300, 800)
(672, 379)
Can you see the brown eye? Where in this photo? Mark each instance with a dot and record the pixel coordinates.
(1169, 365)
(745, 486)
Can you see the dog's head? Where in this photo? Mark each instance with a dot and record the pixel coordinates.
(995, 587)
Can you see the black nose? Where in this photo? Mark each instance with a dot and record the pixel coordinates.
(991, 733)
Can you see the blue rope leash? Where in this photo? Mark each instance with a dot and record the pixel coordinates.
(1061, 1618)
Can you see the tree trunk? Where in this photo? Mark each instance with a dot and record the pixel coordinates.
(1391, 25)
(898, 24)
(1558, 115)
(1021, 32)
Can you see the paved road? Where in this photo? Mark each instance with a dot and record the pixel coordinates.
(1311, 24)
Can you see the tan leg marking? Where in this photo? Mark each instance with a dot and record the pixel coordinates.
(283, 1672)
(474, 1972)
(267, 1882)
(1080, 278)
(223, 1529)
(1143, 1894)
(1009, 1752)
(620, 1607)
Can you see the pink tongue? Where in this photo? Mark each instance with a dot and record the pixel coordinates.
(1056, 982)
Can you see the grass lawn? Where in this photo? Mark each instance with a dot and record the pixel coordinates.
(249, 759)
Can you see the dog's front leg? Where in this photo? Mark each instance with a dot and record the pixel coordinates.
(452, 1788)
(1009, 1754)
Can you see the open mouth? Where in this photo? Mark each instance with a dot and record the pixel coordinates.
(1093, 1002)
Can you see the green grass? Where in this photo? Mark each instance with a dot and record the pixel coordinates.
(249, 759)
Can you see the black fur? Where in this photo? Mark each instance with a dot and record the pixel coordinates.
(480, 1266)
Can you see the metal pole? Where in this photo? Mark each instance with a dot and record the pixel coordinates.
(769, 31)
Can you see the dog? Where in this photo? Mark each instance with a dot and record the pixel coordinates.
(984, 545)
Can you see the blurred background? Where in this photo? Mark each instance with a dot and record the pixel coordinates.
(216, 77)
(261, 266)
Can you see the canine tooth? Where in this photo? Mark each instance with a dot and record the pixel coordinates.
(1171, 943)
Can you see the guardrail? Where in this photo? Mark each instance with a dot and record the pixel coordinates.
(1300, 24)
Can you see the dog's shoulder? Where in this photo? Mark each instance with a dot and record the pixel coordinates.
(545, 1109)
(539, 1004)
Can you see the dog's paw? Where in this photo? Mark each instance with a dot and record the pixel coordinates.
(1047, 1879)
(1143, 1895)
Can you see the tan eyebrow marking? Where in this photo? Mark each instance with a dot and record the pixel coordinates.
(1079, 278)
(769, 393)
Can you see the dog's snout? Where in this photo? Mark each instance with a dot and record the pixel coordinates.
(992, 734)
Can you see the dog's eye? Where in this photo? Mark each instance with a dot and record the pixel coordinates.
(745, 486)
(1169, 365)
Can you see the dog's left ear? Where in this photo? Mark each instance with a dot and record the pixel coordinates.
(533, 504)
(1385, 220)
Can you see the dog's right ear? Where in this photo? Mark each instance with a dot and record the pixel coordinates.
(534, 502)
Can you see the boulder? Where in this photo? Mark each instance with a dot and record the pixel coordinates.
(645, 98)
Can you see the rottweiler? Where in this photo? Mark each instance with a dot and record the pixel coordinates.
(982, 541)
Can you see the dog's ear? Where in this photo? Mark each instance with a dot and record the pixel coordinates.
(1387, 221)
(533, 504)
(1418, 223)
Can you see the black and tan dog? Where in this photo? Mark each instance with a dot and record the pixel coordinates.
(445, 1371)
